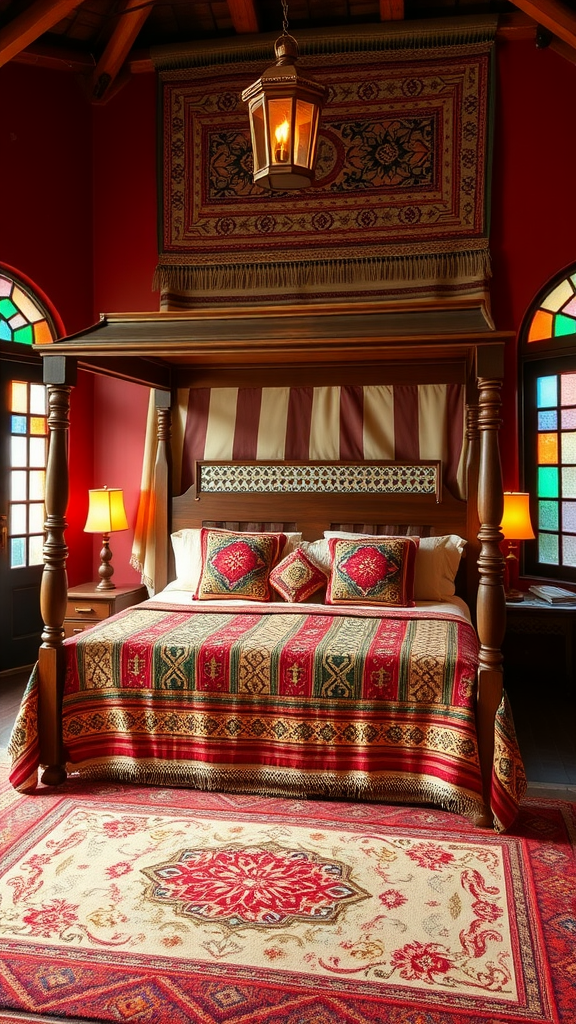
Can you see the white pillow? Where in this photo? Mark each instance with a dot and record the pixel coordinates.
(437, 563)
(188, 556)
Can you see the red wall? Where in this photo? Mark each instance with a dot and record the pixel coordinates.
(533, 214)
(83, 226)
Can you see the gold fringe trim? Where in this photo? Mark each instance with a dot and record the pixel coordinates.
(283, 782)
(387, 36)
(247, 277)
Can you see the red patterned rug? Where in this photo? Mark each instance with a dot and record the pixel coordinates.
(122, 903)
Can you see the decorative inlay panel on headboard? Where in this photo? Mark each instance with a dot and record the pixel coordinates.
(341, 478)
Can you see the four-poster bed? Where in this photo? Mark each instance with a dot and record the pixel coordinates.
(303, 346)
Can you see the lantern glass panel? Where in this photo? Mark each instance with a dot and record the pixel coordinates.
(303, 133)
(280, 129)
(258, 136)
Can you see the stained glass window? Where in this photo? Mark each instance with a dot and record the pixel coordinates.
(26, 486)
(548, 356)
(22, 318)
(556, 314)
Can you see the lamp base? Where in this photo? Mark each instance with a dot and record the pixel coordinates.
(515, 596)
(105, 570)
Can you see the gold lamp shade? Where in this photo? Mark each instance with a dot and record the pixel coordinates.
(106, 515)
(284, 110)
(516, 523)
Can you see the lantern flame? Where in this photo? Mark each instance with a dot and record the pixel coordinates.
(282, 132)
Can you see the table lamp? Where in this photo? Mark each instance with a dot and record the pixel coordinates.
(515, 526)
(106, 515)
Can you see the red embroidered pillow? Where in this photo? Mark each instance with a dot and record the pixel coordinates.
(373, 572)
(237, 564)
(296, 577)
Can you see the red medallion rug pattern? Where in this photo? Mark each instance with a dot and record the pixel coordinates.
(122, 903)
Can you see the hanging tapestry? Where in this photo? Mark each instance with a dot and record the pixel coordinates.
(398, 210)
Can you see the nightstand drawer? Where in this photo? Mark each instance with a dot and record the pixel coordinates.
(87, 605)
(88, 611)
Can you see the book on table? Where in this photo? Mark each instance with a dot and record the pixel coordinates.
(552, 594)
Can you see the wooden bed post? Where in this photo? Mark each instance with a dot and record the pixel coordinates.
(60, 377)
(491, 602)
(162, 488)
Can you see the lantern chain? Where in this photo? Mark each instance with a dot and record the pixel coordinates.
(285, 17)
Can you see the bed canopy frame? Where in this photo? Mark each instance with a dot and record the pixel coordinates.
(290, 346)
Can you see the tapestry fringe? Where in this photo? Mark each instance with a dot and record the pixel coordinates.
(389, 36)
(277, 782)
(248, 277)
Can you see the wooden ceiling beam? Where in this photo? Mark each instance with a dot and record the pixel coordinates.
(40, 17)
(244, 16)
(130, 21)
(391, 10)
(553, 15)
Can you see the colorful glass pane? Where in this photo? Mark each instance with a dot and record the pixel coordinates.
(26, 305)
(36, 517)
(36, 550)
(564, 325)
(37, 455)
(568, 388)
(569, 516)
(548, 515)
(19, 402)
(569, 551)
(548, 420)
(42, 333)
(7, 308)
(18, 519)
(559, 296)
(568, 445)
(18, 485)
(18, 425)
(24, 335)
(570, 307)
(547, 482)
(569, 482)
(38, 425)
(548, 548)
(542, 326)
(548, 449)
(18, 451)
(546, 391)
(569, 419)
(38, 399)
(37, 484)
(22, 319)
(17, 552)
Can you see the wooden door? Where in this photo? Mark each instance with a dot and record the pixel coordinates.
(23, 454)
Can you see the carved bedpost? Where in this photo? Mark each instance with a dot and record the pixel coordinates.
(472, 469)
(59, 377)
(491, 603)
(162, 488)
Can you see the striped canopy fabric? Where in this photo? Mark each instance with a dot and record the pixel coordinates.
(377, 422)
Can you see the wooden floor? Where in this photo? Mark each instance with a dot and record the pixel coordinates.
(545, 725)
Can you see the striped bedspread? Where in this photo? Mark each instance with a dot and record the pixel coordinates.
(280, 699)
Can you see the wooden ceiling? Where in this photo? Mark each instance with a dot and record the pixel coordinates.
(106, 41)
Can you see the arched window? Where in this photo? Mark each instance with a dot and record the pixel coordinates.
(548, 393)
(24, 318)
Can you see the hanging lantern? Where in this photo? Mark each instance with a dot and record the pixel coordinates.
(284, 111)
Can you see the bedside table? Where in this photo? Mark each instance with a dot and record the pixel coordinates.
(87, 605)
(531, 628)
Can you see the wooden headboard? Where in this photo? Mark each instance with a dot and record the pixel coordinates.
(369, 497)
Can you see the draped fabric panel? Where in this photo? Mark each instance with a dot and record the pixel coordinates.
(336, 423)
(349, 423)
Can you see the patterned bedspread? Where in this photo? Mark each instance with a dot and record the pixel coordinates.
(280, 699)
